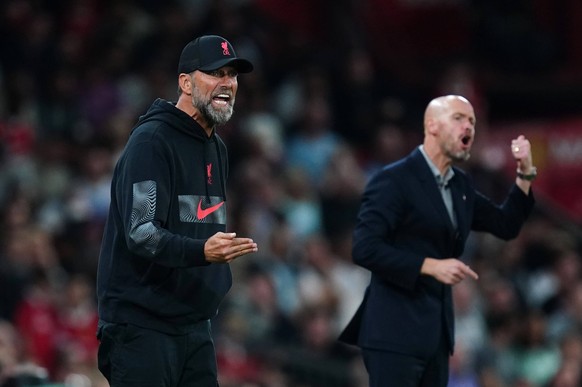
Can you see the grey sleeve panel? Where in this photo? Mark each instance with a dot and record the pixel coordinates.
(143, 232)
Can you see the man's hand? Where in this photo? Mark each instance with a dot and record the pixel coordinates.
(449, 271)
(521, 151)
(224, 247)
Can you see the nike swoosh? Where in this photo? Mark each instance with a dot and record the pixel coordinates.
(204, 212)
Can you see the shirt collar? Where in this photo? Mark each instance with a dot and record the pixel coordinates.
(441, 180)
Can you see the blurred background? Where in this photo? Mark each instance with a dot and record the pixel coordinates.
(339, 89)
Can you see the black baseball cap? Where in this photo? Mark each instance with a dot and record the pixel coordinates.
(209, 53)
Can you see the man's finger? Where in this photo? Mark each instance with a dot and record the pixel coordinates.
(470, 271)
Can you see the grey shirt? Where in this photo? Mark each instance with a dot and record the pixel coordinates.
(443, 184)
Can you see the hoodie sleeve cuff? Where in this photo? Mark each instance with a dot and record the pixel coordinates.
(195, 248)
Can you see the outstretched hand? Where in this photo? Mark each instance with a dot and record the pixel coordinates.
(224, 247)
(449, 271)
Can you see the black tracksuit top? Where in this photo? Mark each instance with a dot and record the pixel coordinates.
(167, 198)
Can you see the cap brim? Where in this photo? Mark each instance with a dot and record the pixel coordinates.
(241, 65)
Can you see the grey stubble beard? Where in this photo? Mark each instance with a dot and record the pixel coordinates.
(213, 117)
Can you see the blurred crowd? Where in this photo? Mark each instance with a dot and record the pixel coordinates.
(338, 90)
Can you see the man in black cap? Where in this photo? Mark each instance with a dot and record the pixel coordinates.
(163, 268)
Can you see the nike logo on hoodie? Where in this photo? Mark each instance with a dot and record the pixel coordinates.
(202, 213)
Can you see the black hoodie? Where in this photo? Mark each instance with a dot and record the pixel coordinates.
(167, 198)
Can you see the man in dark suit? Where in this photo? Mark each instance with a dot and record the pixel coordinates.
(413, 222)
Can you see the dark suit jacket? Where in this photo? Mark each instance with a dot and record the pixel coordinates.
(402, 220)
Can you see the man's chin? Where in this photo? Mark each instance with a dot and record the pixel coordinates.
(462, 156)
(218, 118)
(222, 119)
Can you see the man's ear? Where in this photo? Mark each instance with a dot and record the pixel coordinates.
(185, 83)
(431, 126)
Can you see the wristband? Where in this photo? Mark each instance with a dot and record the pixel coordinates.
(530, 176)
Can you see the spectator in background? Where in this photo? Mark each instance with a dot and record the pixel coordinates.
(360, 89)
(328, 280)
(255, 307)
(570, 373)
(317, 358)
(387, 145)
(284, 268)
(415, 217)
(563, 308)
(163, 268)
(532, 358)
(77, 318)
(300, 205)
(36, 320)
(501, 305)
(16, 267)
(569, 316)
(340, 191)
(462, 373)
(16, 369)
(34, 263)
(470, 329)
(312, 144)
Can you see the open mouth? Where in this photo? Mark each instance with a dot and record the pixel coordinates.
(222, 99)
(466, 139)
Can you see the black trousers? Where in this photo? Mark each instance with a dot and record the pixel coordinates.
(136, 357)
(391, 369)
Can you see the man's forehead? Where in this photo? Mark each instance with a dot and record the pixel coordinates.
(448, 105)
(458, 105)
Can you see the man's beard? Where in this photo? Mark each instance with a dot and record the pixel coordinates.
(462, 155)
(213, 117)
